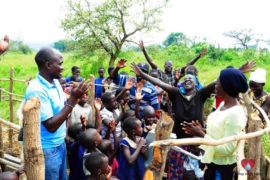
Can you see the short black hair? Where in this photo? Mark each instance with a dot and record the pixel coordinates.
(86, 138)
(129, 124)
(46, 54)
(94, 161)
(74, 130)
(74, 68)
(106, 97)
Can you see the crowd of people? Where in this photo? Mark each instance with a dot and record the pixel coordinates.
(110, 139)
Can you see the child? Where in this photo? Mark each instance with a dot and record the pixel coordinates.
(75, 153)
(98, 165)
(82, 109)
(131, 151)
(89, 139)
(107, 148)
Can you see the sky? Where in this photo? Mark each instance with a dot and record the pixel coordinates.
(38, 21)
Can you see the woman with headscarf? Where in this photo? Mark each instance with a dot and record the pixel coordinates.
(229, 119)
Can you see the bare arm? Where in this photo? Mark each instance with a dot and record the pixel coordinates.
(147, 57)
(98, 116)
(132, 158)
(53, 123)
(193, 61)
(266, 106)
(120, 64)
(168, 88)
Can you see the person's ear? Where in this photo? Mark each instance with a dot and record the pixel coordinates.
(48, 64)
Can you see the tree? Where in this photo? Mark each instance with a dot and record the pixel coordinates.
(175, 38)
(107, 25)
(245, 38)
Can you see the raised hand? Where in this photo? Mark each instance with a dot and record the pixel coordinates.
(83, 121)
(129, 83)
(248, 66)
(80, 90)
(98, 103)
(203, 52)
(141, 45)
(177, 75)
(139, 95)
(112, 125)
(4, 44)
(121, 63)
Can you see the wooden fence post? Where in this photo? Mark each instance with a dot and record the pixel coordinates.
(92, 99)
(33, 154)
(11, 111)
(3, 167)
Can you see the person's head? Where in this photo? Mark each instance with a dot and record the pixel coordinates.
(9, 176)
(154, 73)
(83, 100)
(149, 115)
(49, 62)
(189, 82)
(231, 82)
(133, 127)
(90, 138)
(168, 66)
(101, 72)
(190, 69)
(257, 81)
(75, 74)
(108, 100)
(144, 67)
(129, 113)
(97, 164)
(110, 69)
(74, 130)
(106, 147)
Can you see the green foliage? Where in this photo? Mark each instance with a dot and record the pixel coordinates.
(107, 25)
(20, 46)
(266, 144)
(175, 38)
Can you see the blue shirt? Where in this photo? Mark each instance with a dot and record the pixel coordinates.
(150, 94)
(98, 89)
(69, 79)
(52, 100)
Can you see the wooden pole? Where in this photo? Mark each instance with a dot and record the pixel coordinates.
(11, 117)
(92, 99)
(3, 167)
(162, 131)
(33, 154)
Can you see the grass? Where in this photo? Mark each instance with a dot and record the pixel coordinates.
(25, 67)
